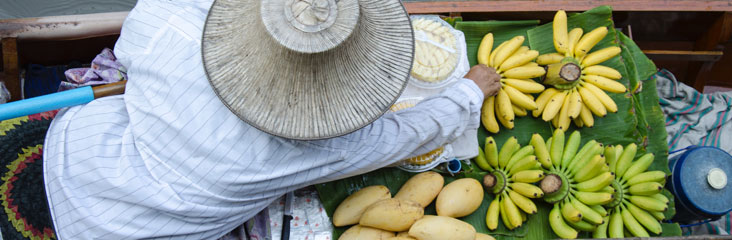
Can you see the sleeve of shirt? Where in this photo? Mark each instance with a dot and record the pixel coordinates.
(432, 123)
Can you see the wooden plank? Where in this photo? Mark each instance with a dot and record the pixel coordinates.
(11, 74)
(718, 33)
(63, 27)
(569, 5)
(703, 56)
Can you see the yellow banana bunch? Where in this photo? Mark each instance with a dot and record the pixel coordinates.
(639, 203)
(575, 182)
(512, 170)
(576, 96)
(514, 63)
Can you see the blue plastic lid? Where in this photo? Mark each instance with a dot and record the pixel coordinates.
(702, 174)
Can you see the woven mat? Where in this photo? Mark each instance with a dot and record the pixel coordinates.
(25, 213)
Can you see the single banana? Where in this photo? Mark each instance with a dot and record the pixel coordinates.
(646, 188)
(524, 72)
(570, 148)
(640, 165)
(512, 212)
(569, 212)
(522, 202)
(525, 86)
(596, 183)
(482, 162)
(581, 156)
(591, 169)
(524, 164)
(518, 59)
(555, 121)
(617, 151)
(588, 41)
(519, 155)
(592, 102)
(586, 116)
(600, 56)
(648, 203)
(575, 104)
(601, 230)
(574, 37)
(600, 210)
(559, 226)
(660, 197)
(519, 98)
(519, 111)
(492, 57)
(588, 214)
(625, 160)
(578, 122)
(484, 49)
(605, 83)
(602, 97)
(563, 118)
(632, 224)
(528, 190)
(504, 111)
(645, 219)
(507, 50)
(541, 151)
(491, 217)
(549, 58)
(594, 198)
(608, 189)
(559, 27)
(521, 50)
(528, 176)
(557, 147)
(582, 226)
(491, 151)
(488, 115)
(603, 71)
(503, 214)
(507, 150)
(553, 106)
(650, 176)
(615, 228)
(658, 215)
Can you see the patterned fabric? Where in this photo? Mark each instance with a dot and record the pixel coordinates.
(104, 69)
(693, 118)
(169, 160)
(25, 213)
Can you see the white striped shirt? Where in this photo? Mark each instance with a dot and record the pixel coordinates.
(168, 160)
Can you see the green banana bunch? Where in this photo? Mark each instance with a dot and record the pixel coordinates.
(576, 183)
(639, 202)
(512, 170)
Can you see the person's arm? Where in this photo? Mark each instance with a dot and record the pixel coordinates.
(417, 130)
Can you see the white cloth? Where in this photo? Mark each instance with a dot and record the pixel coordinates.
(168, 160)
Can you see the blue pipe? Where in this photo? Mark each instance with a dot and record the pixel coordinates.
(45, 103)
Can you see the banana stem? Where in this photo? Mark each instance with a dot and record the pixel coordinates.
(551, 183)
(562, 73)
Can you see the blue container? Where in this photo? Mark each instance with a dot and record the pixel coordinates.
(699, 183)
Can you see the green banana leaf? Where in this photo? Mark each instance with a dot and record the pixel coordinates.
(639, 119)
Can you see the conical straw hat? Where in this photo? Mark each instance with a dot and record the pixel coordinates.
(308, 69)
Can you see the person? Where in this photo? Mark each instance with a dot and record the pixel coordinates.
(169, 160)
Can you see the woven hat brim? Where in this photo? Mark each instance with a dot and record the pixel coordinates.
(307, 96)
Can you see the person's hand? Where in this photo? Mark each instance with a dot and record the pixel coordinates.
(486, 78)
